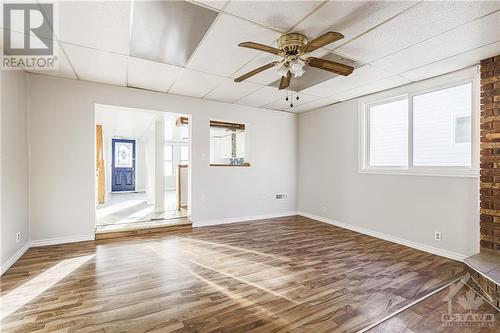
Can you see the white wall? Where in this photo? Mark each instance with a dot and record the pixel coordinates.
(406, 207)
(14, 166)
(62, 134)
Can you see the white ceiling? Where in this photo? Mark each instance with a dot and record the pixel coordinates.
(398, 42)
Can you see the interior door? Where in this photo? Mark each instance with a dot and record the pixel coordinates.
(123, 172)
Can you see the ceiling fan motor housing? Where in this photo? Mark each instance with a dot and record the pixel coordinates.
(291, 43)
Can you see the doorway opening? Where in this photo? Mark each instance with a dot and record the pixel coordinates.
(142, 168)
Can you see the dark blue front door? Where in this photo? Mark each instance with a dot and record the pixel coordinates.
(123, 165)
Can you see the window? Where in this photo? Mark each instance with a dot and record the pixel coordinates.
(389, 134)
(184, 155)
(462, 129)
(227, 144)
(169, 165)
(426, 131)
(435, 120)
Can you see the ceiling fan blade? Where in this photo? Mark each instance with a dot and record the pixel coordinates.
(324, 39)
(331, 66)
(260, 47)
(285, 80)
(256, 71)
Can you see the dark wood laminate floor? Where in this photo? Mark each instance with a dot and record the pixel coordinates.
(282, 275)
(456, 309)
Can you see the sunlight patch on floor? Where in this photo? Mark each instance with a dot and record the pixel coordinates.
(28, 291)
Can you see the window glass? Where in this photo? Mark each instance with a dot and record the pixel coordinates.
(442, 127)
(388, 134)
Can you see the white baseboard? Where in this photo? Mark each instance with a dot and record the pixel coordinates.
(14, 258)
(61, 240)
(405, 242)
(242, 219)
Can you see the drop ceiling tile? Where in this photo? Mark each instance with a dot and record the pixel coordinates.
(97, 66)
(194, 84)
(338, 84)
(103, 25)
(454, 63)
(316, 104)
(219, 52)
(230, 91)
(63, 68)
(422, 21)
(151, 75)
(266, 77)
(169, 31)
(279, 15)
(262, 96)
(464, 38)
(282, 104)
(384, 84)
(213, 3)
(351, 18)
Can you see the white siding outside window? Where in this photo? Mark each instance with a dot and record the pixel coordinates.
(389, 134)
(441, 127)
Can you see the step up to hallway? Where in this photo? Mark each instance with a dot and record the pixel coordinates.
(484, 270)
(143, 228)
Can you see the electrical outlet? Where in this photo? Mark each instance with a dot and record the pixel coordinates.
(18, 237)
(323, 209)
(281, 196)
(437, 235)
(203, 198)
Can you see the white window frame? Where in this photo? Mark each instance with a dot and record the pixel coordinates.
(469, 75)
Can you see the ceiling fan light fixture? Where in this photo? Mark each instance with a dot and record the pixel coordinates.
(297, 67)
(283, 70)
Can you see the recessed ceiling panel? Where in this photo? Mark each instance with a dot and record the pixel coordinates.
(168, 31)
(313, 76)
(279, 15)
(219, 52)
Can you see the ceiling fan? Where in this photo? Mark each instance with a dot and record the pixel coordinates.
(292, 48)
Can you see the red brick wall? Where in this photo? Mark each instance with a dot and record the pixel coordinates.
(490, 155)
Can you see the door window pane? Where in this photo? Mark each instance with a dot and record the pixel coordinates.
(123, 155)
(442, 127)
(388, 134)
